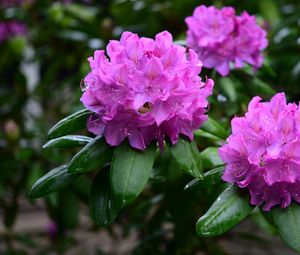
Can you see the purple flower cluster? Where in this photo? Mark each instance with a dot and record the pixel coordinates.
(220, 37)
(10, 3)
(9, 29)
(263, 152)
(146, 90)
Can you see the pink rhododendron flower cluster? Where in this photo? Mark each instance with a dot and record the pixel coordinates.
(146, 90)
(263, 152)
(220, 37)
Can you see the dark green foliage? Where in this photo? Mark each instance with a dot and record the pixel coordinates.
(91, 157)
(288, 224)
(102, 201)
(229, 209)
(130, 172)
(52, 182)
(75, 122)
(186, 154)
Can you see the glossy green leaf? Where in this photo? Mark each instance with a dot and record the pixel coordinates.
(68, 141)
(288, 224)
(210, 158)
(200, 133)
(130, 172)
(186, 154)
(52, 182)
(230, 208)
(211, 178)
(229, 89)
(75, 122)
(102, 203)
(91, 157)
(263, 222)
(213, 127)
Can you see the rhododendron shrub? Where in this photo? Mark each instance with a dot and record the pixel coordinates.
(145, 90)
(144, 100)
(220, 37)
(142, 134)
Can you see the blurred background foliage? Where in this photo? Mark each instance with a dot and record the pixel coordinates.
(40, 75)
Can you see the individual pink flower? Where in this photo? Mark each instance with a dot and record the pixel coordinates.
(146, 90)
(220, 38)
(263, 152)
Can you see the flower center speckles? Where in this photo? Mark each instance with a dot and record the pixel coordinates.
(128, 130)
(285, 168)
(239, 169)
(148, 53)
(149, 89)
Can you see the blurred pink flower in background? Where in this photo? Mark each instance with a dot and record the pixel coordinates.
(11, 3)
(10, 29)
(52, 230)
(147, 90)
(220, 37)
(263, 152)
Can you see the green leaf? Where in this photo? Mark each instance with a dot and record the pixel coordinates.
(75, 122)
(54, 180)
(91, 157)
(288, 224)
(259, 86)
(68, 141)
(228, 87)
(270, 10)
(80, 11)
(211, 178)
(213, 127)
(210, 158)
(263, 222)
(102, 203)
(230, 208)
(130, 172)
(186, 154)
(267, 68)
(200, 133)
